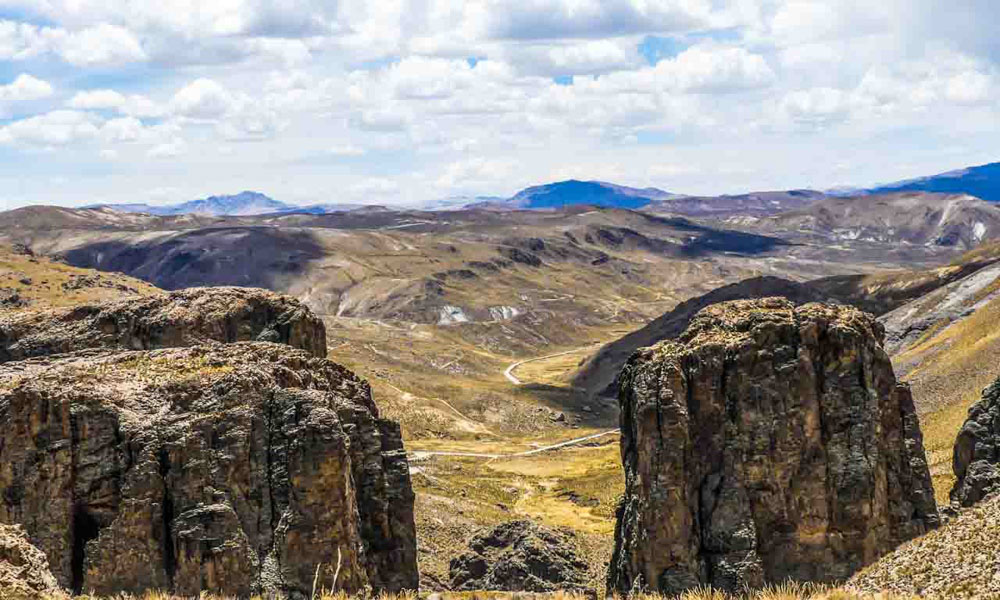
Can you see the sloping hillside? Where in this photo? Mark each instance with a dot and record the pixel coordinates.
(947, 346)
(958, 560)
(906, 218)
(598, 375)
(754, 204)
(35, 282)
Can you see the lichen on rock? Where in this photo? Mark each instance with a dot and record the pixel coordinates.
(768, 442)
(24, 571)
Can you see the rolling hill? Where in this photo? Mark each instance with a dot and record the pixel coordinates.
(903, 218)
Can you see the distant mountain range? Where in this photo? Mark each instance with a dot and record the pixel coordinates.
(570, 192)
(982, 182)
(245, 203)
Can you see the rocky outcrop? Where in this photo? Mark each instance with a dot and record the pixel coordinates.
(520, 556)
(234, 469)
(976, 459)
(182, 318)
(769, 442)
(24, 571)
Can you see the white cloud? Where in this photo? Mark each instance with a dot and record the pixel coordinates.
(347, 150)
(375, 186)
(741, 89)
(135, 105)
(171, 149)
(969, 87)
(475, 173)
(123, 129)
(816, 106)
(593, 55)
(56, 128)
(101, 44)
(548, 19)
(97, 99)
(201, 99)
(710, 69)
(382, 119)
(25, 87)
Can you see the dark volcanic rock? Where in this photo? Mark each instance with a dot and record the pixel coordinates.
(182, 318)
(24, 571)
(232, 469)
(976, 459)
(520, 556)
(768, 442)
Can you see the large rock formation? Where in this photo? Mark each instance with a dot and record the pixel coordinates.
(24, 571)
(182, 318)
(976, 459)
(234, 469)
(768, 442)
(520, 556)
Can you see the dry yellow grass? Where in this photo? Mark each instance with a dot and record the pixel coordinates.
(788, 591)
(950, 368)
(575, 487)
(44, 283)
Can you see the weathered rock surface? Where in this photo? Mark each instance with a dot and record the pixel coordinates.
(976, 459)
(768, 442)
(520, 556)
(182, 318)
(233, 469)
(24, 571)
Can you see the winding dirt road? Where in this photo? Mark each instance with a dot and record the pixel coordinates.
(509, 372)
(423, 455)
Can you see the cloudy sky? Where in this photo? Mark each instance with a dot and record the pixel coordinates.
(401, 101)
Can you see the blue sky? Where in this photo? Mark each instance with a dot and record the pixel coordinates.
(404, 101)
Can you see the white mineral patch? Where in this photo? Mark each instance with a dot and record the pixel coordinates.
(503, 313)
(451, 315)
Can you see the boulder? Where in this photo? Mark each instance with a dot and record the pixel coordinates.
(24, 571)
(233, 469)
(768, 442)
(520, 556)
(181, 318)
(976, 458)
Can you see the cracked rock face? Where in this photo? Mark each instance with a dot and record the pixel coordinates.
(181, 318)
(234, 469)
(976, 459)
(769, 442)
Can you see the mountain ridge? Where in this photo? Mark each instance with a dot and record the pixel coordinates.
(981, 181)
